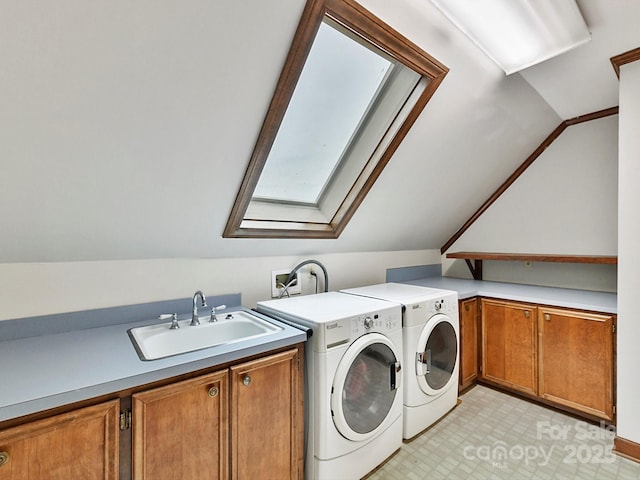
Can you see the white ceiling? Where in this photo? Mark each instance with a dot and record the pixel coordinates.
(583, 81)
(126, 128)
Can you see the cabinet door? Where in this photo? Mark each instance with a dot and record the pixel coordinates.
(181, 430)
(79, 444)
(509, 344)
(266, 418)
(576, 360)
(468, 342)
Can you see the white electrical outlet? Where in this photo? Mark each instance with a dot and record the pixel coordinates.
(278, 277)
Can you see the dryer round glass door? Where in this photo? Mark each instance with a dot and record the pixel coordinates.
(365, 387)
(437, 355)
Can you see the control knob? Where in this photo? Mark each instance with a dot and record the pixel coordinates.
(368, 323)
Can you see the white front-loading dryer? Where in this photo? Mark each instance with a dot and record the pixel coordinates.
(430, 335)
(354, 395)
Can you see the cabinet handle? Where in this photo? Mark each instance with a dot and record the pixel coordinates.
(547, 317)
(246, 380)
(213, 392)
(527, 313)
(4, 458)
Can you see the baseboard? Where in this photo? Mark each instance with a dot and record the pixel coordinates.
(627, 448)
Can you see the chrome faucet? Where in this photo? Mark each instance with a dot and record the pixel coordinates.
(194, 314)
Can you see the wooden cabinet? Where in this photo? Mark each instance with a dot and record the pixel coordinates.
(576, 360)
(181, 430)
(82, 444)
(241, 423)
(509, 344)
(267, 430)
(563, 356)
(468, 342)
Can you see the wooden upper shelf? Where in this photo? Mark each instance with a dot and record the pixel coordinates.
(478, 257)
(536, 257)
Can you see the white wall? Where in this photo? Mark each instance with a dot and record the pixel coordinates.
(629, 255)
(564, 203)
(126, 128)
(29, 289)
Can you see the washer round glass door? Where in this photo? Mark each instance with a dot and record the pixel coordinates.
(437, 355)
(365, 386)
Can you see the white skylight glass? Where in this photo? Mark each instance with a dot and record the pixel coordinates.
(517, 34)
(338, 84)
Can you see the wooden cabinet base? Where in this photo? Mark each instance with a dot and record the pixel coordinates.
(242, 422)
(181, 430)
(576, 360)
(509, 345)
(557, 356)
(81, 444)
(469, 346)
(267, 418)
(242, 419)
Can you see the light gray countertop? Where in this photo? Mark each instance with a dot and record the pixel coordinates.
(47, 371)
(55, 369)
(560, 297)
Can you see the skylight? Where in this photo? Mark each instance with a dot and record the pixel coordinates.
(339, 83)
(517, 34)
(349, 91)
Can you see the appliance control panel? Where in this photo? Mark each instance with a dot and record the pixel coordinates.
(382, 322)
(447, 305)
(340, 332)
(418, 313)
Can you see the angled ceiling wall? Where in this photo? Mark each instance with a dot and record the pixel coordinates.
(125, 130)
(564, 203)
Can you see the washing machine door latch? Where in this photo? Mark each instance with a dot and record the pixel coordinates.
(423, 362)
(394, 370)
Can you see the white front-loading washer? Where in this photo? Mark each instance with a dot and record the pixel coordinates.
(354, 398)
(431, 343)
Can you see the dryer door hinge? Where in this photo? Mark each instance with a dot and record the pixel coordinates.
(125, 419)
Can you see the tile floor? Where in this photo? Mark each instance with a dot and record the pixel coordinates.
(491, 435)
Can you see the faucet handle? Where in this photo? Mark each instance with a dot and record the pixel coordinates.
(173, 317)
(213, 312)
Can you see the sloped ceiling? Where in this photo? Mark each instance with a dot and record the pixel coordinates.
(125, 128)
(582, 80)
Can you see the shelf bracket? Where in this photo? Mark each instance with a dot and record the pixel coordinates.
(475, 268)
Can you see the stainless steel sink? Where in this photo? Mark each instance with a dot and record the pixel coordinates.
(159, 341)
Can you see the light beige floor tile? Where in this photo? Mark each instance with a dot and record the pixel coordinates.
(492, 435)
